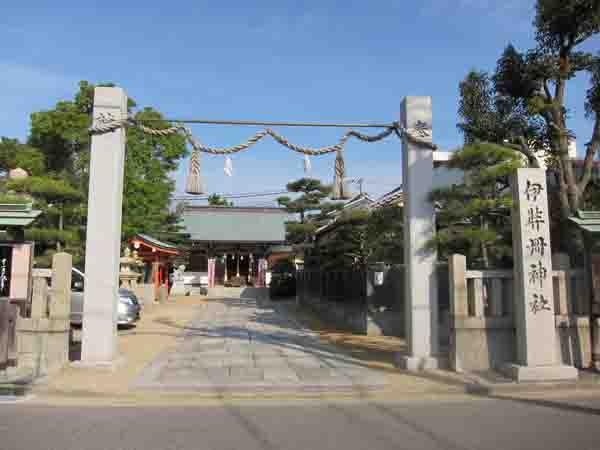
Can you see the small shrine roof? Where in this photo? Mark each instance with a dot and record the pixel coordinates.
(17, 214)
(588, 221)
(149, 241)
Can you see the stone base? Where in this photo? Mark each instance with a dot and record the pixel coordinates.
(418, 363)
(537, 374)
(100, 365)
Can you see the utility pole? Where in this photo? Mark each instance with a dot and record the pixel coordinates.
(358, 181)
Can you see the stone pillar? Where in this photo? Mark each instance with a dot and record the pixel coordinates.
(60, 306)
(537, 358)
(237, 262)
(562, 262)
(226, 276)
(163, 294)
(459, 304)
(39, 298)
(592, 277)
(421, 303)
(211, 272)
(261, 273)
(102, 254)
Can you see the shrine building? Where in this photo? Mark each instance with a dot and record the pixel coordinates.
(234, 244)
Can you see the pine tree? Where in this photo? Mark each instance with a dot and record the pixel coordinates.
(473, 218)
(310, 207)
(217, 200)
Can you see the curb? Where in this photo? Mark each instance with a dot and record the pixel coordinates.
(479, 386)
(17, 386)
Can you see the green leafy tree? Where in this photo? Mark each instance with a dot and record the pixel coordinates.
(14, 155)
(473, 218)
(217, 200)
(57, 155)
(61, 135)
(539, 80)
(148, 186)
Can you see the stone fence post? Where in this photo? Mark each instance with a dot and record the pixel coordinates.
(43, 338)
(459, 303)
(60, 304)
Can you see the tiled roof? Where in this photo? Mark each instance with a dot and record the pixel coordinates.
(20, 214)
(353, 203)
(155, 242)
(588, 221)
(391, 198)
(233, 224)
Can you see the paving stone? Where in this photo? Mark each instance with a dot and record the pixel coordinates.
(305, 362)
(312, 373)
(246, 372)
(213, 373)
(239, 361)
(235, 345)
(271, 362)
(276, 374)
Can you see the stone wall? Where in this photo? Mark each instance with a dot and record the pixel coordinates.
(43, 339)
(482, 328)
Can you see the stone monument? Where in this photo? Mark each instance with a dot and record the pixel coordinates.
(537, 358)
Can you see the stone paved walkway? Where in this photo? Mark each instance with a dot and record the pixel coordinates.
(238, 345)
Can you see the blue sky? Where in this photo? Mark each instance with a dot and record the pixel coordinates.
(272, 60)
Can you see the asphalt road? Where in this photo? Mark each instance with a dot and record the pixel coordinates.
(463, 423)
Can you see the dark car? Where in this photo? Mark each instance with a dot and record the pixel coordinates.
(283, 280)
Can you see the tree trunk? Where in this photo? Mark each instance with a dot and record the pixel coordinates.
(484, 249)
(60, 227)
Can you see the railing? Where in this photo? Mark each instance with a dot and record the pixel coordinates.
(482, 319)
(489, 293)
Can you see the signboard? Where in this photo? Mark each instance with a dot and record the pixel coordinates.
(16, 261)
(6, 254)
